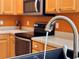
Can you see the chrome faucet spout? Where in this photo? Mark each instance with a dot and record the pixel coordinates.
(49, 27)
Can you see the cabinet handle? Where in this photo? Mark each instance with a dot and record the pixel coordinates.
(36, 46)
(59, 9)
(55, 9)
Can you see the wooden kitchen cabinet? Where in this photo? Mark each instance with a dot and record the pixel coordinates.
(11, 45)
(8, 6)
(4, 46)
(11, 7)
(3, 49)
(77, 4)
(19, 7)
(7, 46)
(38, 47)
(51, 6)
(61, 6)
(67, 5)
(1, 7)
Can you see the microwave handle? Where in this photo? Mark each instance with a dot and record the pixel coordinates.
(36, 2)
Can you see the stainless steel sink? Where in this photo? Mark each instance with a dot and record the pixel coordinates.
(53, 54)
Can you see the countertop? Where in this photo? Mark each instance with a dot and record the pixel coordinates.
(13, 31)
(58, 40)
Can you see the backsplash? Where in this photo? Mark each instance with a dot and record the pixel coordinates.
(28, 21)
(63, 26)
(8, 20)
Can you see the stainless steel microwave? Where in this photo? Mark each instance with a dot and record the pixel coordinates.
(33, 7)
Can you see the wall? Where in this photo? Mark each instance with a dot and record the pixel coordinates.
(8, 20)
(34, 19)
(63, 26)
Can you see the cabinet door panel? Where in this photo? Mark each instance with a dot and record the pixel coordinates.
(3, 49)
(19, 6)
(77, 4)
(37, 46)
(12, 48)
(11, 44)
(67, 5)
(0, 6)
(51, 6)
(8, 6)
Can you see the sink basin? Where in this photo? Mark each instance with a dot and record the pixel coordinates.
(53, 54)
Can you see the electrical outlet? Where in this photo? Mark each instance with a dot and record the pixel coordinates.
(28, 23)
(57, 25)
(1, 22)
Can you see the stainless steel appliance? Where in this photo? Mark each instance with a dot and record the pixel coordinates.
(23, 44)
(33, 7)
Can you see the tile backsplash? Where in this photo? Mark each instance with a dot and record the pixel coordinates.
(62, 25)
(7, 20)
(28, 21)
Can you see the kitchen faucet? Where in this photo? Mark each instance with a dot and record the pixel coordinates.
(49, 28)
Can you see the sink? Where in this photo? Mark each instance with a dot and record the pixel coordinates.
(53, 54)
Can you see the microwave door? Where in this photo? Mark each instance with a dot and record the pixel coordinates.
(29, 7)
(32, 6)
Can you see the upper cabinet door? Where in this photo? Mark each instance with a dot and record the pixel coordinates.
(51, 6)
(77, 4)
(1, 6)
(11, 7)
(67, 5)
(8, 6)
(19, 6)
